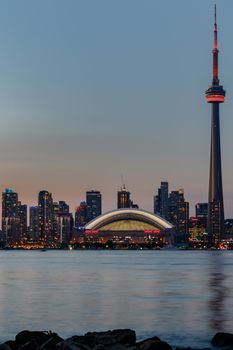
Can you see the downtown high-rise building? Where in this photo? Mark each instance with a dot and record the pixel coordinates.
(50, 222)
(81, 215)
(66, 227)
(60, 209)
(23, 219)
(65, 222)
(123, 198)
(45, 216)
(10, 216)
(55, 221)
(201, 210)
(178, 212)
(215, 95)
(34, 223)
(198, 224)
(94, 204)
(161, 201)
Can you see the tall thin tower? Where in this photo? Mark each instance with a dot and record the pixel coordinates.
(215, 95)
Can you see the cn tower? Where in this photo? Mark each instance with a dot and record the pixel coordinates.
(215, 95)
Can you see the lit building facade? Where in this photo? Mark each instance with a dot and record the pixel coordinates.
(23, 218)
(94, 204)
(123, 198)
(10, 216)
(45, 216)
(161, 201)
(34, 223)
(201, 210)
(197, 229)
(65, 223)
(178, 213)
(81, 215)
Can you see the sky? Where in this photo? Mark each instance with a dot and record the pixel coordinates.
(93, 91)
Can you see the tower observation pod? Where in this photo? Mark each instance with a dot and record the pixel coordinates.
(215, 95)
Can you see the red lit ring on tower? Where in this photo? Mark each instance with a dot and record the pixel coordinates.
(215, 98)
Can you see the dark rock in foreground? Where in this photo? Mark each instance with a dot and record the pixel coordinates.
(118, 339)
(117, 336)
(28, 340)
(222, 339)
(155, 345)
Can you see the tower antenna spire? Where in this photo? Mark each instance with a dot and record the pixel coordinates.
(215, 14)
(215, 50)
(122, 182)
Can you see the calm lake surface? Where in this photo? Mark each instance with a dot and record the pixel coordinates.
(182, 296)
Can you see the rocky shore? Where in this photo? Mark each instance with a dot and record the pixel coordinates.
(118, 339)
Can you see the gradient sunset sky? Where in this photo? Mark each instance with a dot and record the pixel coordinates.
(90, 90)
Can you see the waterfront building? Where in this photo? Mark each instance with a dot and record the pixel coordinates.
(62, 220)
(127, 227)
(10, 216)
(81, 215)
(94, 204)
(215, 95)
(201, 210)
(161, 200)
(45, 216)
(34, 223)
(197, 229)
(123, 198)
(65, 223)
(55, 225)
(23, 219)
(63, 207)
(228, 228)
(178, 213)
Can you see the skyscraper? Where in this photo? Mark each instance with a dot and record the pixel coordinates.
(10, 216)
(201, 210)
(81, 215)
(179, 212)
(34, 223)
(123, 198)
(94, 204)
(65, 223)
(45, 216)
(56, 219)
(62, 223)
(215, 95)
(161, 200)
(22, 209)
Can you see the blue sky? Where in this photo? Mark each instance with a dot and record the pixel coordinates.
(90, 90)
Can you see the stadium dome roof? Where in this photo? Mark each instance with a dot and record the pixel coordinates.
(128, 220)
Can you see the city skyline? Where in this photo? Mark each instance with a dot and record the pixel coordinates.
(82, 103)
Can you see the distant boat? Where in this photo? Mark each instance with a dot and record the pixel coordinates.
(43, 250)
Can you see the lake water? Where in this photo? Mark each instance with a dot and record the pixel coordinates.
(182, 296)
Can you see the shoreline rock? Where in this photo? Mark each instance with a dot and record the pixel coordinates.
(117, 339)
